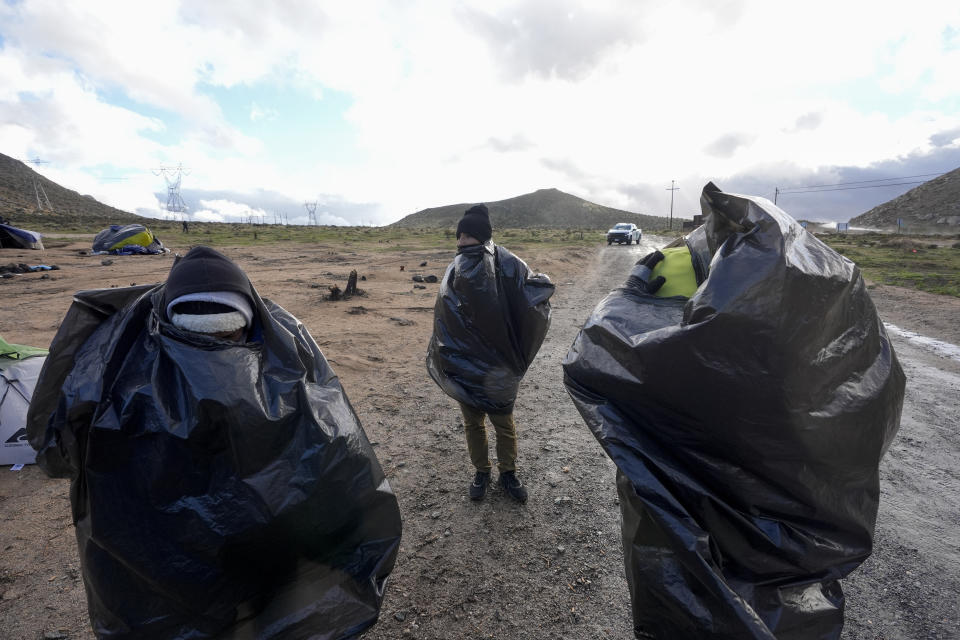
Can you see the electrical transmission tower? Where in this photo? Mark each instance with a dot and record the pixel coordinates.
(42, 198)
(311, 208)
(176, 207)
(43, 202)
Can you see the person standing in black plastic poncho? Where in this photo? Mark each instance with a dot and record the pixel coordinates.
(222, 485)
(491, 316)
(747, 414)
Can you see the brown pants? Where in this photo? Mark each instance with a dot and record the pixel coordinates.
(477, 439)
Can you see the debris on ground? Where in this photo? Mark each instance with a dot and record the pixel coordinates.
(351, 290)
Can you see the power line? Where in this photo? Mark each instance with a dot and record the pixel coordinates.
(843, 184)
(869, 186)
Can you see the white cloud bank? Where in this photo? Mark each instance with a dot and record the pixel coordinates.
(479, 101)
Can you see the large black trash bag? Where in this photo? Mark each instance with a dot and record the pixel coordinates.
(218, 489)
(491, 316)
(747, 425)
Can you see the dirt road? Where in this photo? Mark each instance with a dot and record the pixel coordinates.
(551, 568)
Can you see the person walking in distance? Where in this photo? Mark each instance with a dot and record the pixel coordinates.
(491, 316)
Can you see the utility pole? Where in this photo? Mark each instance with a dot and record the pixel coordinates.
(776, 194)
(671, 190)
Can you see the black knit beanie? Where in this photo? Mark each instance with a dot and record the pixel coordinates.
(202, 270)
(476, 222)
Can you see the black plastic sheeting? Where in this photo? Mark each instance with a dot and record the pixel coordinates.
(491, 316)
(218, 489)
(747, 425)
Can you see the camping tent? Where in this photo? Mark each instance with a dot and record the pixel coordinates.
(14, 238)
(19, 369)
(127, 239)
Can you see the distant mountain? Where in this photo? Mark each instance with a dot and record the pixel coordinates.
(934, 206)
(21, 187)
(544, 208)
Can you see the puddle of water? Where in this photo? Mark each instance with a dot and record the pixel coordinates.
(942, 349)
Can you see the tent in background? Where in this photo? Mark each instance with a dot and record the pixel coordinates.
(19, 369)
(14, 238)
(128, 239)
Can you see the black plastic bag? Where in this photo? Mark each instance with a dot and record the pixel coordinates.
(747, 425)
(491, 316)
(218, 489)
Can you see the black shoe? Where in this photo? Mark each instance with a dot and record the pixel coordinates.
(478, 488)
(512, 485)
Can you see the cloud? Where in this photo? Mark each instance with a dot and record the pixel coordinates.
(474, 101)
(266, 206)
(206, 215)
(262, 113)
(518, 142)
(858, 189)
(944, 138)
(727, 145)
(59, 116)
(807, 122)
(549, 38)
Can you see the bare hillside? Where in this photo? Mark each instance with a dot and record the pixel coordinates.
(544, 208)
(933, 206)
(21, 188)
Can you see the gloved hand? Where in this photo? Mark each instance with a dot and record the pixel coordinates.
(640, 274)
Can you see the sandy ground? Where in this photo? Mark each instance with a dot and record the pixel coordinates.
(549, 569)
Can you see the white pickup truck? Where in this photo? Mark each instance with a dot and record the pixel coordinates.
(624, 232)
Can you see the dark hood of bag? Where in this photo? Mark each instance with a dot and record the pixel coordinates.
(219, 489)
(747, 425)
(491, 316)
(198, 270)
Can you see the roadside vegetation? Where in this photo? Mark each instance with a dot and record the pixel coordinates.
(928, 263)
(925, 262)
(370, 238)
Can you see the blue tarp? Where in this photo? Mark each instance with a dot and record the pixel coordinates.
(14, 238)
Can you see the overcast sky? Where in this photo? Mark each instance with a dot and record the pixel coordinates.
(379, 109)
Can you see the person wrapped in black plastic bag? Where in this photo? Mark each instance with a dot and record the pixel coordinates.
(222, 485)
(747, 425)
(491, 316)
